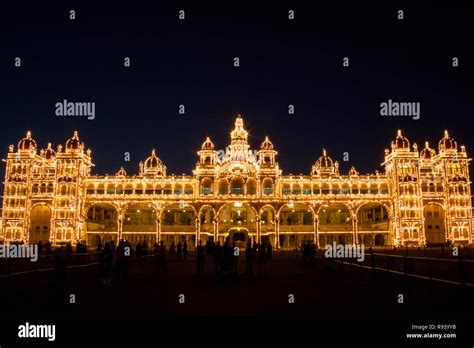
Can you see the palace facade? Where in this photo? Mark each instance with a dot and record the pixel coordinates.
(419, 197)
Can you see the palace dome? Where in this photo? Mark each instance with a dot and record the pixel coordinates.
(207, 144)
(267, 144)
(400, 142)
(324, 161)
(153, 161)
(447, 143)
(49, 153)
(427, 153)
(74, 143)
(27, 143)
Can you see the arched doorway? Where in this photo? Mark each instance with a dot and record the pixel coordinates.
(296, 225)
(101, 224)
(40, 226)
(373, 224)
(335, 224)
(435, 231)
(233, 216)
(140, 224)
(239, 236)
(178, 224)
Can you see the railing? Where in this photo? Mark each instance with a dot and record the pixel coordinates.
(15, 267)
(453, 271)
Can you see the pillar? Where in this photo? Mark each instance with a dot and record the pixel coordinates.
(277, 232)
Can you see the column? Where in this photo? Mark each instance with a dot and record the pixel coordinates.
(216, 228)
(277, 232)
(158, 230)
(354, 229)
(259, 237)
(315, 227)
(198, 231)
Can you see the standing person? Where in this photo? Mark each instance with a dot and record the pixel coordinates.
(261, 258)
(123, 253)
(249, 257)
(234, 258)
(106, 264)
(185, 250)
(269, 251)
(200, 258)
(217, 257)
(179, 251)
(226, 256)
(162, 258)
(172, 251)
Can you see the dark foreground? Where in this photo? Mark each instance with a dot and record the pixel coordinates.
(331, 304)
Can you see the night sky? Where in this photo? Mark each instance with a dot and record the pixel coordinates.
(190, 62)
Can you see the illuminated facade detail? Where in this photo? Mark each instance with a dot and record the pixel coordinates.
(422, 197)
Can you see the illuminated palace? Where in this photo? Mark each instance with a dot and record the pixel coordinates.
(420, 197)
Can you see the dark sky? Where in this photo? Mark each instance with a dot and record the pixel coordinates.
(190, 62)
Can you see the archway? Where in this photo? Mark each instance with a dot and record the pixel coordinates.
(40, 227)
(335, 224)
(178, 224)
(372, 221)
(435, 231)
(101, 223)
(140, 224)
(268, 224)
(206, 223)
(296, 225)
(236, 215)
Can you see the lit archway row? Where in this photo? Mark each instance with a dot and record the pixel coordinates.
(140, 224)
(236, 218)
(178, 223)
(296, 225)
(373, 224)
(335, 224)
(101, 223)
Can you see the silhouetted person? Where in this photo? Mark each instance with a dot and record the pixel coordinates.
(269, 251)
(138, 251)
(226, 256)
(217, 257)
(200, 258)
(123, 254)
(106, 264)
(172, 251)
(48, 248)
(249, 257)
(162, 258)
(234, 258)
(179, 251)
(185, 250)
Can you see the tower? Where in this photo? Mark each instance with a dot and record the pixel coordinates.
(402, 169)
(73, 165)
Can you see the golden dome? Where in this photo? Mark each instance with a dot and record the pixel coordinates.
(74, 143)
(324, 161)
(153, 161)
(400, 142)
(427, 153)
(49, 153)
(27, 143)
(267, 144)
(207, 144)
(447, 143)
